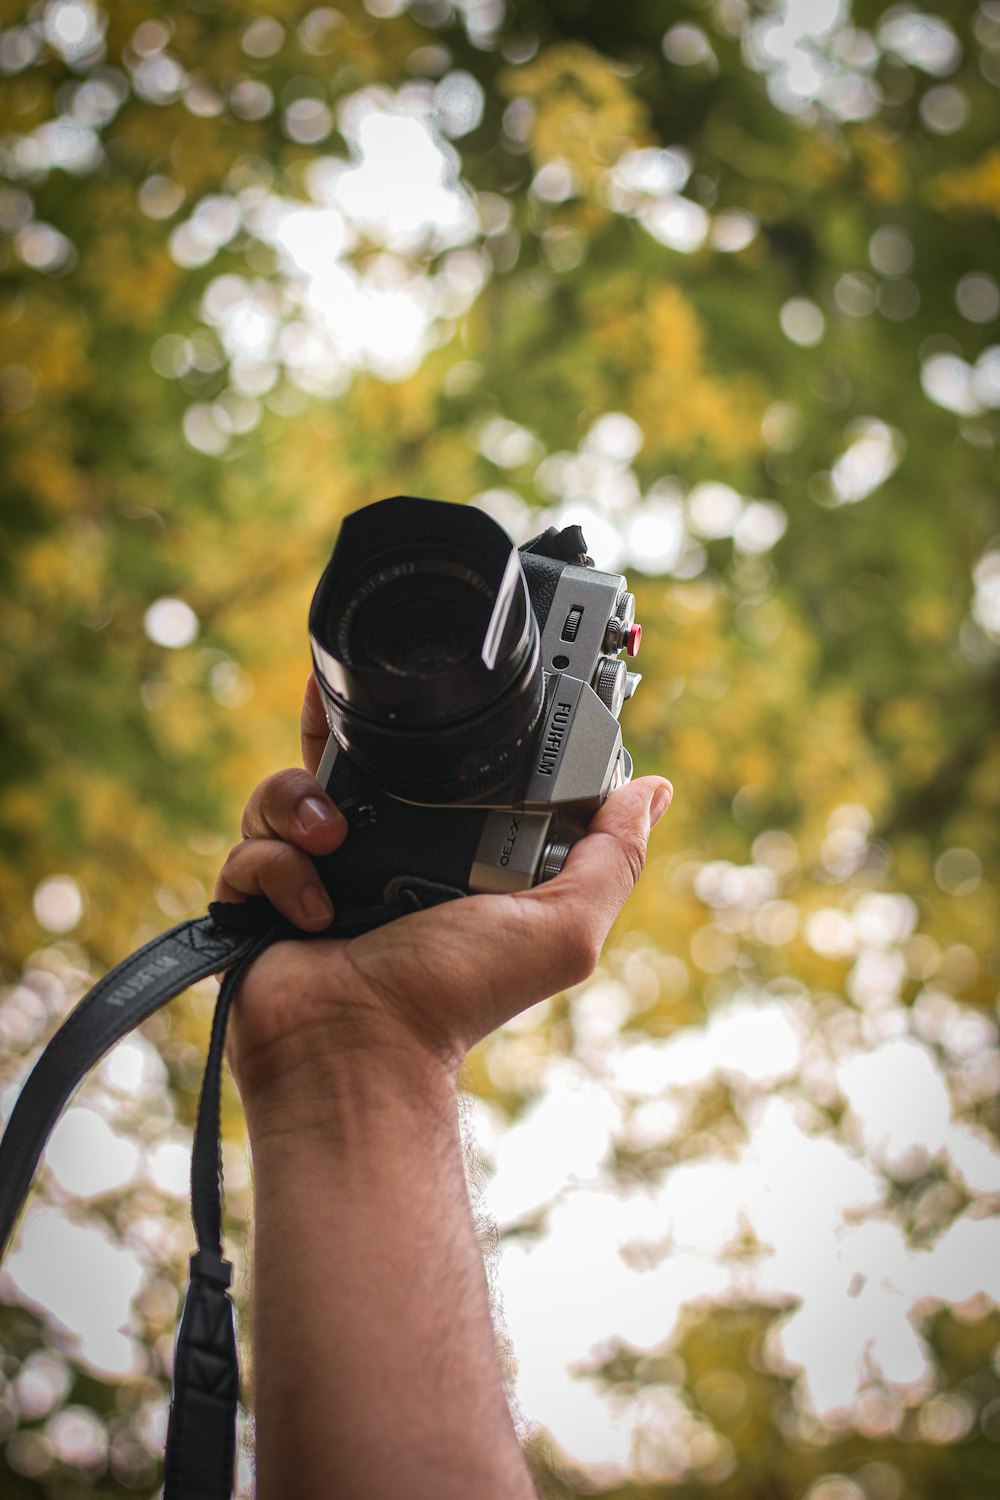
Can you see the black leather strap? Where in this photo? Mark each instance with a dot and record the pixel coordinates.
(116, 1004)
(201, 1433)
(201, 1437)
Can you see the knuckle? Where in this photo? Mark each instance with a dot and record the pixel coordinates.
(283, 862)
(626, 853)
(234, 857)
(281, 790)
(263, 864)
(633, 853)
(270, 813)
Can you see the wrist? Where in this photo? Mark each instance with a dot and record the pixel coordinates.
(336, 1083)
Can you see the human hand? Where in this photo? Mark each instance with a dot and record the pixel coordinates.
(423, 989)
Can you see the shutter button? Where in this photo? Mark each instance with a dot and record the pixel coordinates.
(632, 640)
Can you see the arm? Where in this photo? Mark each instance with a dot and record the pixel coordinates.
(375, 1368)
(376, 1374)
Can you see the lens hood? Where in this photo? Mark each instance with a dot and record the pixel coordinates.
(426, 647)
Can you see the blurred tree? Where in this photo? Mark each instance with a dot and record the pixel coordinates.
(721, 283)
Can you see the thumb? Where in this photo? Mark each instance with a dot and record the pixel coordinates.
(605, 864)
(506, 952)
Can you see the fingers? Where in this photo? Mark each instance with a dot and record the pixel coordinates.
(314, 728)
(574, 912)
(293, 806)
(282, 873)
(289, 818)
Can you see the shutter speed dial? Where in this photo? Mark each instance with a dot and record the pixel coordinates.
(623, 634)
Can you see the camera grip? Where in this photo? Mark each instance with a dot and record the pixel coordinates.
(394, 844)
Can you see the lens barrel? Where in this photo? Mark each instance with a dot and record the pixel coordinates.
(426, 649)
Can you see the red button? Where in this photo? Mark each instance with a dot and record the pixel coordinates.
(632, 640)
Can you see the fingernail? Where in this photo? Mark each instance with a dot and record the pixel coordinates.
(316, 904)
(312, 813)
(662, 798)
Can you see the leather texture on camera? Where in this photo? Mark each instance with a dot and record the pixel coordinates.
(388, 839)
(543, 575)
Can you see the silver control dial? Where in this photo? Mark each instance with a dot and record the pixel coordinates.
(572, 625)
(620, 623)
(556, 855)
(610, 683)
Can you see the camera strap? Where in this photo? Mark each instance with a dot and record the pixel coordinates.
(201, 1434)
(202, 1429)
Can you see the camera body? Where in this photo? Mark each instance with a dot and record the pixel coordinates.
(473, 692)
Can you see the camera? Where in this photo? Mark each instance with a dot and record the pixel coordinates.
(472, 689)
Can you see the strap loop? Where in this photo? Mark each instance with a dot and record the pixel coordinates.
(201, 1437)
(210, 1267)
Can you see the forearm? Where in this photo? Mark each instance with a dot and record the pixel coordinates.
(375, 1367)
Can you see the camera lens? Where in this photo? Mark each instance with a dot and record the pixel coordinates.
(426, 649)
(427, 622)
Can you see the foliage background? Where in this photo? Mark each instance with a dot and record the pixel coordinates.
(720, 280)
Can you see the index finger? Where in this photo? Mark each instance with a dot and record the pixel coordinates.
(314, 728)
(605, 864)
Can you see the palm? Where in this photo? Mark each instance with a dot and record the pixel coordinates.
(438, 980)
(425, 972)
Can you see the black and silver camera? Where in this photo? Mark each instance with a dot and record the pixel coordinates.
(473, 691)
